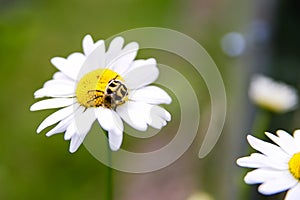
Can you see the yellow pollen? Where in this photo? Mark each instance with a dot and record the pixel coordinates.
(294, 165)
(101, 87)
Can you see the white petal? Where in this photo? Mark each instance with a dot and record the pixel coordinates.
(114, 50)
(71, 130)
(263, 175)
(75, 143)
(268, 149)
(109, 120)
(288, 138)
(95, 60)
(70, 66)
(133, 116)
(294, 193)
(158, 117)
(287, 147)
(141, 73)
(62, 91)
(297, 137)
(122, 62)
(52, 103)
(115, 139)
(157, 123)
(257, 160)
(277, 185)
(83, 123)
(150, 94)
(139, 115)
(59, 83)
(60, 76)
(57, 116)
(89, 46)
(62, 125)
(85, 120)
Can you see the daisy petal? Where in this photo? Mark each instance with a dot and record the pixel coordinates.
(122, 63)
(139, 115)
(60, 76)
(115, 139)
(263, 175)
(59, 83)
(277, 185)
(57, 116)
(132, 115)
(109, 120)
(70, 66)
(141, 73)
(62, 91)
(158, 117)
(268, 149)
(284, 141)
(294, 193)
(157, 123)
(114, 50)
(287, 147)
(297, 137)
(89, 46)
(62, 125)
(83, 123)
(151, 95)
(95, 60)
(76, 141)
(257, 160)
(52, 103)
(70, 131)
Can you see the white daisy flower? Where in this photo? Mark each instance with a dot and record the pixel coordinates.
(275, 96)
(104, 85)
(278, 167)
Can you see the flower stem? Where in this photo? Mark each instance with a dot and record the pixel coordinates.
(109, 174)
(261, 122)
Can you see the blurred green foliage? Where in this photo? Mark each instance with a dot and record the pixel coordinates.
(31, 32)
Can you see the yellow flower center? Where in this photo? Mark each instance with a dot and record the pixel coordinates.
(101, 87)
(294, 165)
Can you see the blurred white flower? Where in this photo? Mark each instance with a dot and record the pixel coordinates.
(278, 166)
(104, 85)
(275, 96)
(200, 196)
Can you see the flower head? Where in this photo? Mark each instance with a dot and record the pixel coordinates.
(275, 96)
(278, 167)
(104, 85)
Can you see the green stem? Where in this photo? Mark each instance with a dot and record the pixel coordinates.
(261, 122)
(109, 174)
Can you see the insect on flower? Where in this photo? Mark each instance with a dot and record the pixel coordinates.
(104, 85)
